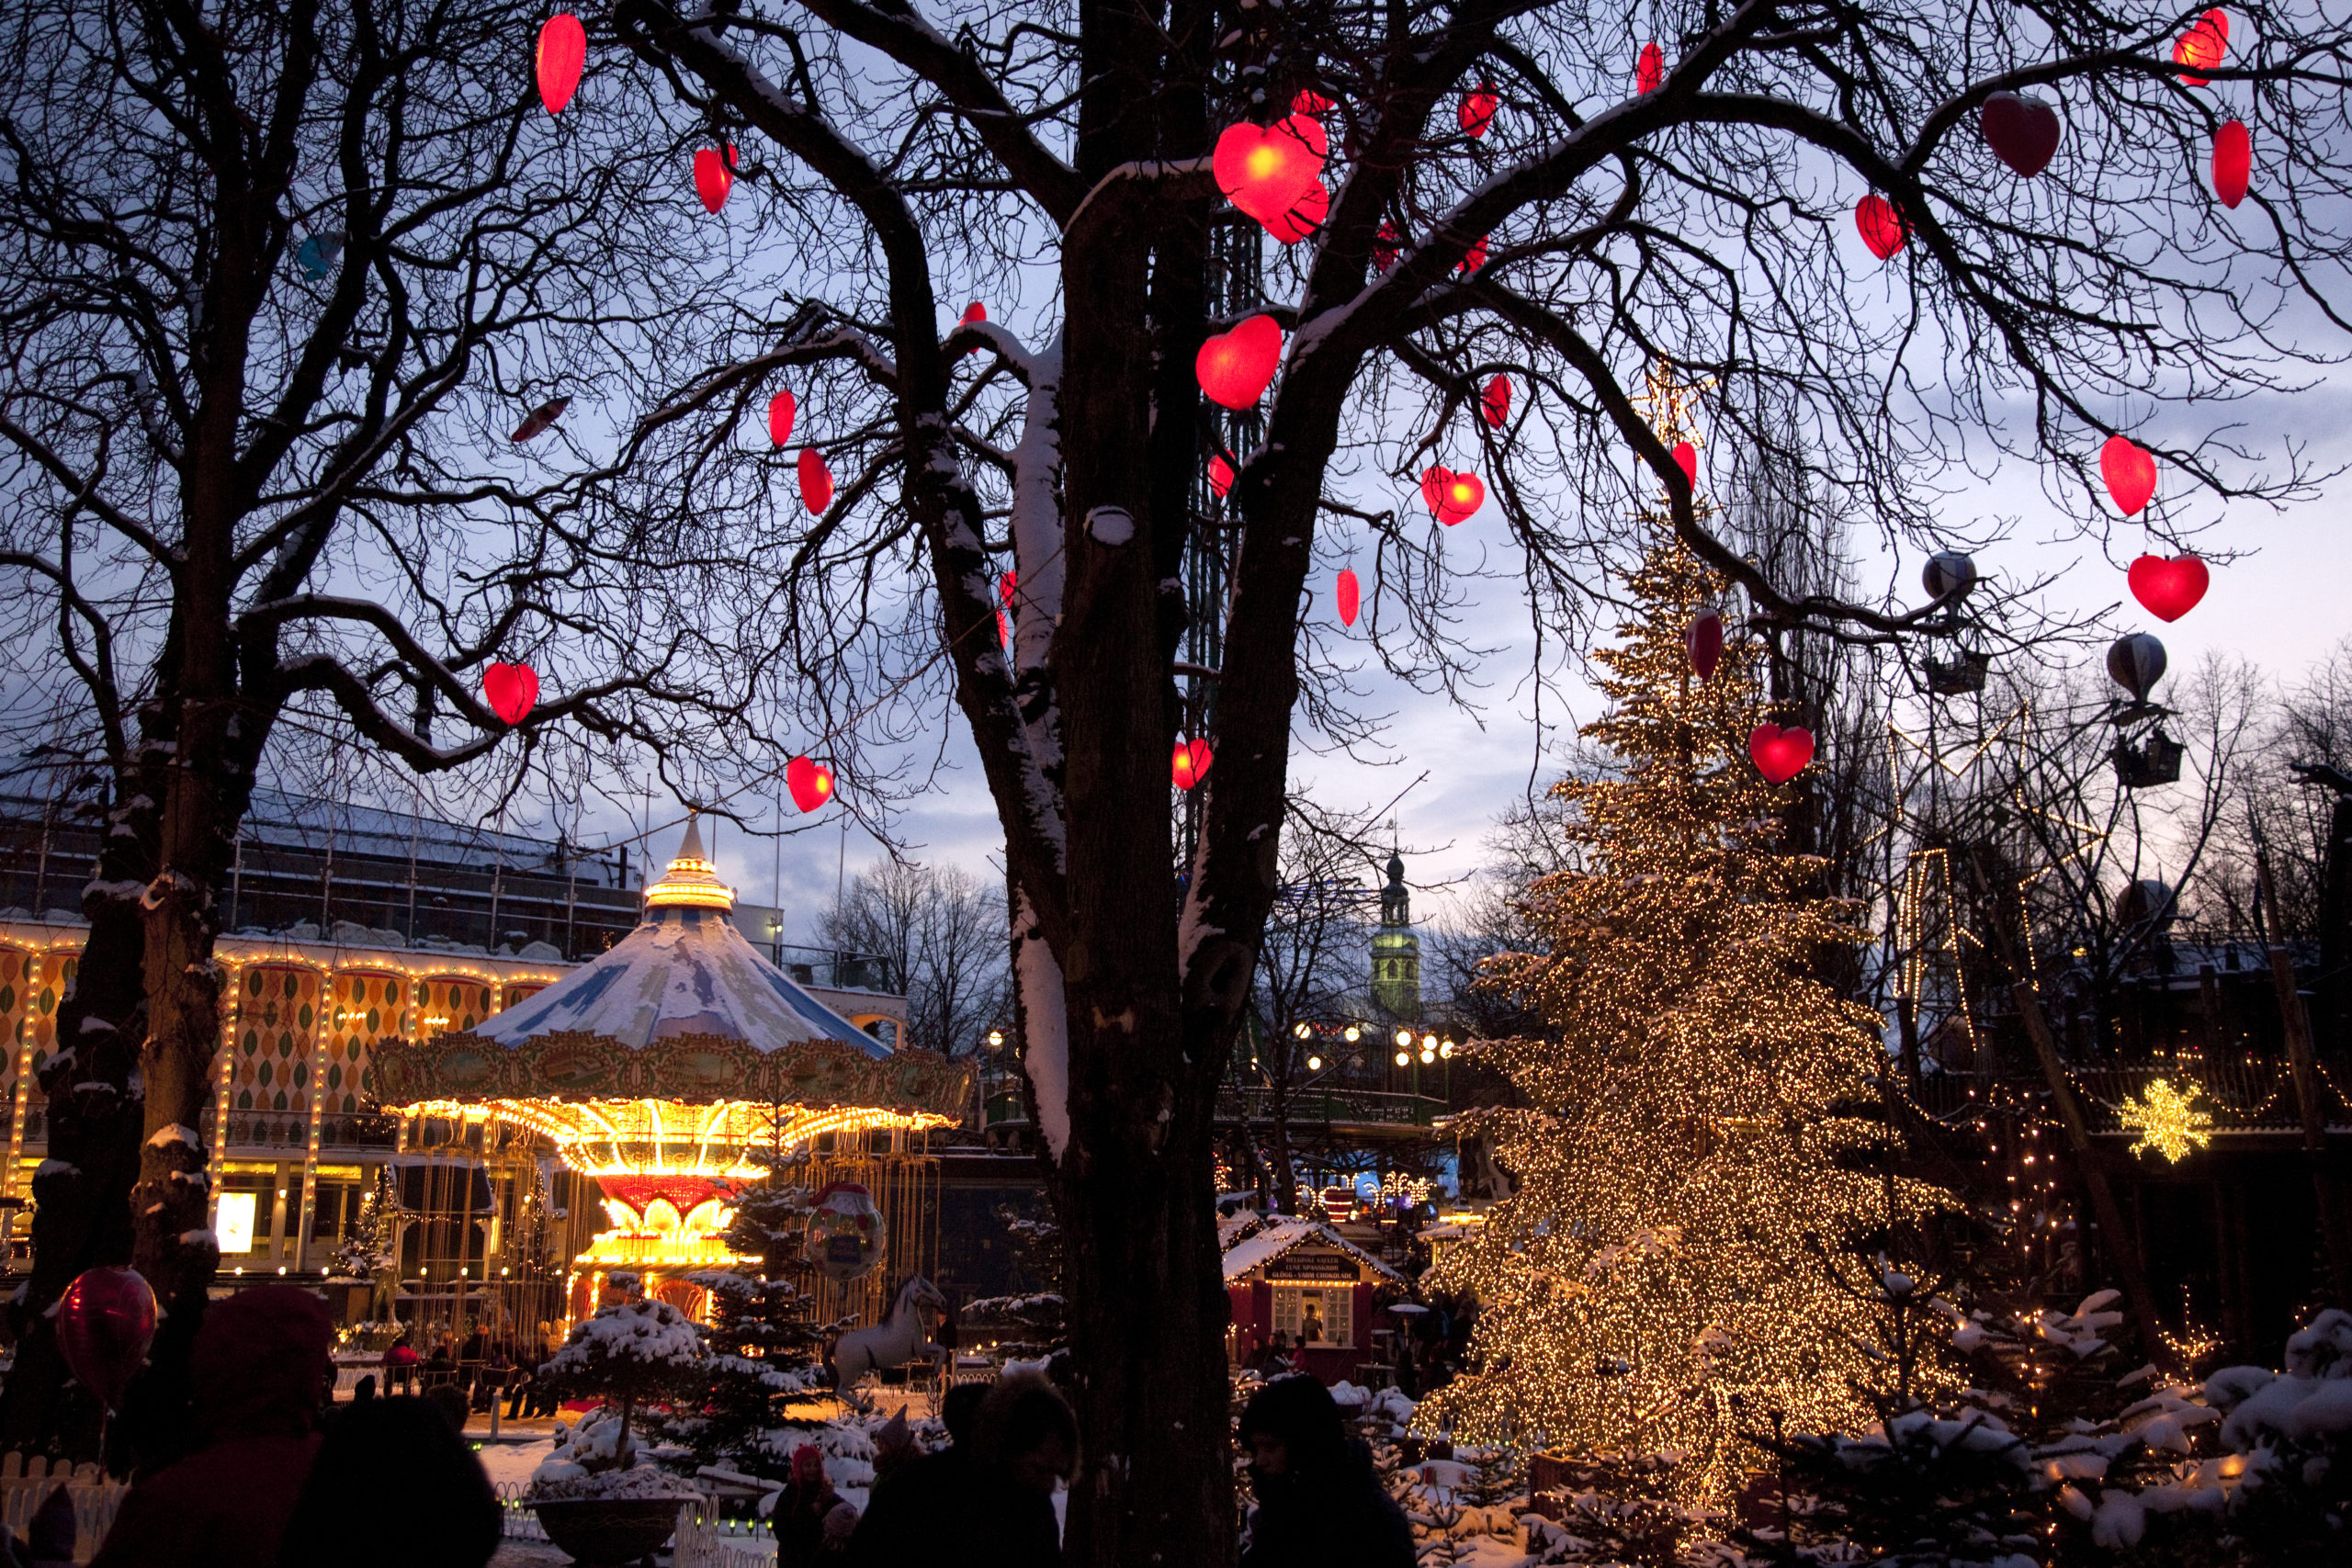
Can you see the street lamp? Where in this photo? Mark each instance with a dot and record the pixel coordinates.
(996, 1039)
(1351, 1035)
(1302, 1030)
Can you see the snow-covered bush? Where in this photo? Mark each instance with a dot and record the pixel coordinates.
(635, 1352)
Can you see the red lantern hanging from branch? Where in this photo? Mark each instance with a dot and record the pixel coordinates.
(816, 481)
(1220, 474)
(1191, 764)
(2203, 46)
(106, 1320)
(1350, 597)
(2022, 132)
(563, 50)
(2233, 162)
(1472, 259)
(2168, 588)
(1311, 103)
(1265, 170)
(1304, 219)
(714, 176)
(1385, 247)
(1779, 754)
(1006, 587)
(1451, 496)
(1235, 367)
(780, 411)
(1705, 642)
(812, 783)
(2130, 470)
(1478, 108)
(975, 313)
(1494, 404)
(512, 691)
(1649, 71)
(1686, 458)
(1880, 225)
(539, 420)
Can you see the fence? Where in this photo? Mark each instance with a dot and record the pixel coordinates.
(704, 1540)
(26, 1483)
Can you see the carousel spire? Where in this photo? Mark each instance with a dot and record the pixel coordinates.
(692, 882)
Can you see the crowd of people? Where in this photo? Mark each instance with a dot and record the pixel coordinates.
(484, 1366)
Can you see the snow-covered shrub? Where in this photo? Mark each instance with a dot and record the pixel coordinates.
(630, 1354)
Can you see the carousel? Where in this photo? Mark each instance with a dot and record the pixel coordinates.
(671, 1071)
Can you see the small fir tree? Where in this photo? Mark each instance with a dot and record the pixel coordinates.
(1698, 1156)
(367, 1252)
(1037, 1317)
(635, 1353)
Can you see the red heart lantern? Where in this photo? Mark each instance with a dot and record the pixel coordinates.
(1006, 586)
(1264, 170)
(1304, 219)
(2233, 162)
(1384, 247)
(1478, 108)
(1350, 598)
(1494, 404)
(2130, 470)
(539, 420)
(713, 178)
(1191, 764)
(106, 1320)
(1881, 226)
(512, 691)
(2169, 589)
(1312, 104)
(1474, 258)
(1649, 71)
(2022, 132)
(2203, 46)
(1705, 642)
(1686, 458)
(1220, 475)
(563, 50)
(812, 783)
(975, 313)
(1451, 496)
(781, 408)
(1235, 367)
(816, 481)
(1779, 754)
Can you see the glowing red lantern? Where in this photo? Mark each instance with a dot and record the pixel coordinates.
(975, 313)
(1005, 588)
(106, 1320)
(1191, 764)
(816, 481)
(2130, 470)
(1474, 258)
(781, 408)
(812, 783)
(1478, 108)
(1384, 247)
(1494, 404)
(1312, 104)
(1220, 474)
(2169, 589)
(2203, 46)
(714, 176)
(1350, 597)
(1302, 219)
(1451, 496)
(1779, 754)
(563, 50)
(1649, 71)
(2022, 132)
(1235, 367)
(539, 420)
(1881, 226)
(2233, 162)
(1705, 642)
(1686, 458)
(512, 691)
(1266, 170)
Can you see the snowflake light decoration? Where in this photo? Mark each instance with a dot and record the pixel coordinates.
(2165, 1122)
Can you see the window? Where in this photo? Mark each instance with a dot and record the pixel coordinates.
(233, 1222)
(1316, 1315)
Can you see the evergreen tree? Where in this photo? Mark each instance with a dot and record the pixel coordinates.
(1698, 1156)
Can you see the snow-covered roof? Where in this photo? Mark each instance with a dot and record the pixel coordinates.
(1282, 1233)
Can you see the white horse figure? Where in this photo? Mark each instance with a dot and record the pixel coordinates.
(895, 1341)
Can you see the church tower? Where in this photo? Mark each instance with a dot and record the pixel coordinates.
(1395, 951)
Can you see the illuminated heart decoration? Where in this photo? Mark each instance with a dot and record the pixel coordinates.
(1312, 104)
(2203, 46)
(1220, 475)
(1451, 496)
(2022, 132)
(1881, 226)
(713, 178)
(2233, 162)
(975, 313)
(781, 408)
(1265, 170)
(512, 691)
(1350, 598)
(539, 419)
(1191, 764)
(106, 1320)
(1474, 258)
(1649, 71)
(1779, 754)
(1686, 458)
(812, 783)
(1384, 247)
(2130, 470)
(1235, 367)
(1007, 586)
(1705, 642)
(1303, 220)
(1479, 110)
(563, 50)
(2169, 589)
(816, 481)
(1494, 404)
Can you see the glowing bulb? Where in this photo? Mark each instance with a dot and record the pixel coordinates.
(1403, 1058)
(1351, 1035)
(1404, 1037)
(1428, 1055)
(1302, 1031)
(1314, 1064)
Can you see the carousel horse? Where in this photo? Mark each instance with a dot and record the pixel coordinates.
(895, 1341)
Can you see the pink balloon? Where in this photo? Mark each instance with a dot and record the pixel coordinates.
(105, 1321)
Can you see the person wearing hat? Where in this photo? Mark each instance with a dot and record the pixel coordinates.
(1319, 1503)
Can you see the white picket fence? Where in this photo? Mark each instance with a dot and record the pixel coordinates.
(26, 1481)
(704, 1542)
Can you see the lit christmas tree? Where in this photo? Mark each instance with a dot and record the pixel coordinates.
(1699, 1160)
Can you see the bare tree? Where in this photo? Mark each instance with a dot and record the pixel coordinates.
(940, 933)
